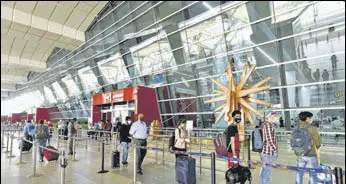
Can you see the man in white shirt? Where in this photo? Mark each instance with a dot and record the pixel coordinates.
(139, 132)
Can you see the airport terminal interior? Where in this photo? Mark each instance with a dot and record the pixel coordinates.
(76, 75)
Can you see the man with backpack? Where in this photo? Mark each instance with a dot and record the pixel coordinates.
(270, 148)
(305, 142)
(41, 135)
(232, 135)
(71, 135)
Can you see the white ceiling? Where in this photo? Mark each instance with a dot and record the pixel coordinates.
(30, 30)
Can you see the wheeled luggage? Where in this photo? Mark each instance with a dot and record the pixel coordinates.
(115, 159)
(185, 170)
(50, 155)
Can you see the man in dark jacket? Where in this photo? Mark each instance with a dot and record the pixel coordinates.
(125, 138)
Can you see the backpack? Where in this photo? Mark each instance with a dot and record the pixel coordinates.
(238, 174)
(300, 141)
(222, 143)
(257, 140)
(40, 134)
(172, 142)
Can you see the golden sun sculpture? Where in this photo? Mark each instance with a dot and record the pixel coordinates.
(237, 98)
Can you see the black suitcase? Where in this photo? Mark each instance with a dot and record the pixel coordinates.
(27, 145)
(115, 159)
(185, 170)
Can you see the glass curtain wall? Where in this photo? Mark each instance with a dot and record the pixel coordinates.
(177, 46)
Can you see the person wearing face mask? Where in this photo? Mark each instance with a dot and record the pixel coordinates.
(180, 138)
(140, 133)
(270, 148)
(233, 134)
(125, 138)
(309, 160)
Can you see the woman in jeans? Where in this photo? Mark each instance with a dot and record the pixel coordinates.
(180, 138)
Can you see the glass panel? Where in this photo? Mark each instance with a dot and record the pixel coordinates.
(114, 69)
(59, 91)
(71, 85)
(49, 95)
(88, 78)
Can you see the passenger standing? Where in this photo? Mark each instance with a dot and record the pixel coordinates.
(71, 135)
(108, 128)
(125, 138)
(232, 133)
(270, 148)
(102, 127)
(310, 160)
(139, 132)
(29, 129)
(41, 135)
(180, 138)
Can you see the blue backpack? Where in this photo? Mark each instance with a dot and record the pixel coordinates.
(300, 141)
(257, 140)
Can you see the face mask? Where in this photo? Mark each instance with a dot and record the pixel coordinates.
(237, 120)
(129, 122)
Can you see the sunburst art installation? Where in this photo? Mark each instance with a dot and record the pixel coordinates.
(238, 98)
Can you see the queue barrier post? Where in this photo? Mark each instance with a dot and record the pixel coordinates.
(74, 148)
(163, 152)
(21, 151)
(213, 168)
(134, 161)
(103, 159)
(11, 147)
(338, 175)
(35, 155)
(63, 164)
(2, 138)
(7, 143)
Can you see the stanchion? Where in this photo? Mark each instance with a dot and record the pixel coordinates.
(2, 138)
(213, 169)
(63, 164)
(8, 141)
(338, 175)
(200, 157)
(134, 161)
(11, 156)
(21, 151)
(86, 143)
(163, 152)
(248, 150)
(35, 155)
(74, 149)
(103, 159)
(156, 156)
(99, 148)
(57, 141)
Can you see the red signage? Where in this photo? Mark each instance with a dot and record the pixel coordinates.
(113, 96)
(118, 96)
(107, 97)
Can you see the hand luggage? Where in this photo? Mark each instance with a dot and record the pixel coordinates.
(325, 178)
(238, 174)
(257, 140)
(185, 170)
(115, 159)
(27, 145)
(49, 155)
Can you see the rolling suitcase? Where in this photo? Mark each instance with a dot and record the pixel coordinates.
(115, 159)
(49, 155)
(27, 145)
(185, 170)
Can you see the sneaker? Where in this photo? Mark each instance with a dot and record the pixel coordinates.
(41, 160)
(140, 172)
(125, 163)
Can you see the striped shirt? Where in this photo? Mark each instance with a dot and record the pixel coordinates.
(269, 139)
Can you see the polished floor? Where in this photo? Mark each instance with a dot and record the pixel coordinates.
(88, 163)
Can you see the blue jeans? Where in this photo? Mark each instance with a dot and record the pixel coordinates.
(41, 142)
(125, 146)
(309, 162)
(266, 171)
